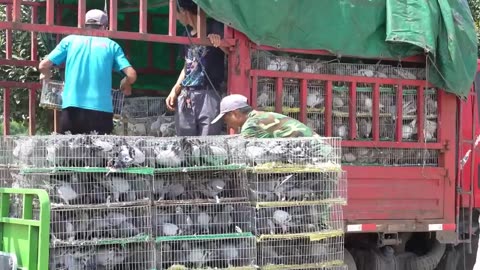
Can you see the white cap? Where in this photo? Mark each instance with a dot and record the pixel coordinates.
(230, 103)
(96, 16)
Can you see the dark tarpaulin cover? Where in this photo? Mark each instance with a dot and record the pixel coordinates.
(365, 28)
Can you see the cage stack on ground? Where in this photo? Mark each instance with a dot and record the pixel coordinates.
(363, 112)
(298, 188)
(100, 217)
(202, 217)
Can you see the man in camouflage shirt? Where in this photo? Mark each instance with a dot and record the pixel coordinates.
(236, 112)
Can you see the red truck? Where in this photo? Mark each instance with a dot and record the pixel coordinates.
(420, 213)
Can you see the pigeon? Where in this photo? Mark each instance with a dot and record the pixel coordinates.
(364, 128)
(283, 219)
(314, 100)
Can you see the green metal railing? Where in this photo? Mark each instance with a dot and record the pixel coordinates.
(26, 238)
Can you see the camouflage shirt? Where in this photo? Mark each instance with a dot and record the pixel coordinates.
(274, 125)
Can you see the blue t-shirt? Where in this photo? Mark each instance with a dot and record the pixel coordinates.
(213, 59)
(88, 70)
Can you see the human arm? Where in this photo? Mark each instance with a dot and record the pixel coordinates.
(56, 57)
(121, 63)
(215, 35)
(172, 97)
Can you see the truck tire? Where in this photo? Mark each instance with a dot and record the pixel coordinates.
(428, 261)
(349, 261)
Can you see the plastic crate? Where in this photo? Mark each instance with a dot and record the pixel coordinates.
(51, 97)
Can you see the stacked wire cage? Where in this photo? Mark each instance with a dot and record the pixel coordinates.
(202, 218)
(145, 116)
(297, 187)
(363, 124)
(100, 204)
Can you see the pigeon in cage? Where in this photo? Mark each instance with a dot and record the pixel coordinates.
(110, 257)
(349, 157)
(403, 74)
(202, 221)
(62, 228)
(57, 152)
(365, 73)
(319, 252)
(266, 96)
(340, 129)
(24, 150)
(288, 98)
(283, 219)
(409, 105)
(293, 65)
(120, 188)
(314, 100)
(430, 105)
(316, 122)
(126, 155)
(70, 192)
(278, 64)
(206, 153)
(365, 104)
(183, 221)
(314, 67)
(170, 154)
(229, 253)
(387, 127)
(168, 129)
(364, 128)
(430, 129)
(223, 220)
(199, 257)
(211, 189)
(409, 130)
(366, 156)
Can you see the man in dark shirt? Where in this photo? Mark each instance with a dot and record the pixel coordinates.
(194, 96)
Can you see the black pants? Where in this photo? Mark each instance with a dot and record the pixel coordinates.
(83, 121)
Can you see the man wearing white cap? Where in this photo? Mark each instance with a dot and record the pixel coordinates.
(236, 112)
(87, 98)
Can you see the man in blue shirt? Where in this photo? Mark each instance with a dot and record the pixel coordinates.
(87, 104)
(194, 96)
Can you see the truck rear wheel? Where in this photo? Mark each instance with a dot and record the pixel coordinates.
(349, 261)
(428, 261)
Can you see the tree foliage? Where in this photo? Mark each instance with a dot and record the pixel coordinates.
(19, 98)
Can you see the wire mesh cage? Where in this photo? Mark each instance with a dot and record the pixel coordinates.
(295, 221)
(7, 145)
(200, 187)
(316, 96)
(364, 112)
(81, 151)
(51, 97)
(131, 256)
(163, 126)
(409, 109)
(301, 253)
(389, 157)
(340, 106)
(291, 95)
(265, 60)
(202, 219)
(431, 115)
(266, 94)
(387, 113)
(283, 189)
(198, 153)
(293, 154)
(237, 251)
(76, 190)
(141, 107)
(96, 224)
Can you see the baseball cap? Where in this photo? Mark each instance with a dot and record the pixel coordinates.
(96, 16)
(230, 103)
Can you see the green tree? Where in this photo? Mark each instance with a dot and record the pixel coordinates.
(19, 97)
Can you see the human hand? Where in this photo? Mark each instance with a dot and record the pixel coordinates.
(172, 97)
(215, 39)
(45, 77)
(126, 87)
